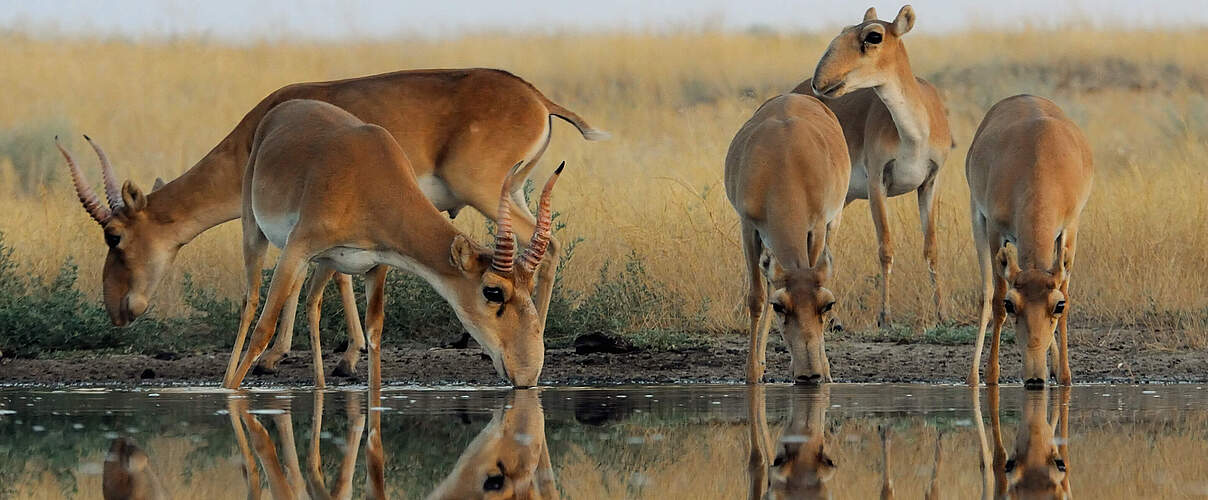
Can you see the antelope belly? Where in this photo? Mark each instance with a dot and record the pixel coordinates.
(350, 260)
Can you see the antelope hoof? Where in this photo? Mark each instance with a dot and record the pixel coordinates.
(971, 381)
(1065, 380)
(344, 369)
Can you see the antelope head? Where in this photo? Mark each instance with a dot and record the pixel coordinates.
(508, 459)
(802, 304)
(494, 298)
(128, 475)
(1034, 297)
(1036, 469)
(140, 246)
(863, 55)
(802, 466)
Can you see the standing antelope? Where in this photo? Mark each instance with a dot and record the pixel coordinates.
(1029, 171)
(323, 185)
(895, 125)
(462, 130)
(786, 174)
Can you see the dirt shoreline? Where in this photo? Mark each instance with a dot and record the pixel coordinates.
(724, 363)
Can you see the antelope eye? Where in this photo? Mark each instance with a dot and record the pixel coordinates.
(493, 483)
(1059, 308)
(778, 461)
(112, 240)
(778, 307)
(1010, 306)
(493, 294)
(826, 308)
(826, 460)
(872, 38)
(1060, 464)
(1010, 465)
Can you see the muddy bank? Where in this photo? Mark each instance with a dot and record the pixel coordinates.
(724, 363)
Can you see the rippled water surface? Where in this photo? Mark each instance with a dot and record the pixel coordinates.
(845, 441)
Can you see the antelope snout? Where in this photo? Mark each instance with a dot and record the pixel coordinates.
(1034, 384)
(814, 379)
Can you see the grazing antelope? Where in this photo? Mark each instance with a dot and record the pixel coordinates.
(462, 130)
(508, 459)
(323, 185)
(1037, 468)
(802, 467)
(1029, 171)
(895, 125)
(786, 175)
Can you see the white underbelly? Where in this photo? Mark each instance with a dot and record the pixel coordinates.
(349, 260)
(438, 192)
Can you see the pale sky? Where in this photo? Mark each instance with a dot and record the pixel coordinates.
(242, 20)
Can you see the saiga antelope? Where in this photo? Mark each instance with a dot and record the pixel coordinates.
(1029, 171)
(896, 128)
(323, 185)
(1037, 467)
(801, 466)
(786, 174)
(462, 130)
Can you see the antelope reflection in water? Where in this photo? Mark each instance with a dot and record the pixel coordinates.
(1037, 468)
(508, 459)
(801, 465)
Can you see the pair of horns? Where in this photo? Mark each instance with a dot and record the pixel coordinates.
(88, 197)
(505, 243)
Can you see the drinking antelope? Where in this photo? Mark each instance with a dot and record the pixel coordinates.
(895, 125)
(802, 466)
(462, 130)
(1037, 467)
(786, 174)
(1029, 171)
(323, 185)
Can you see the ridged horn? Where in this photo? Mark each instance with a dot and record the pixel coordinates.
(505, 242)
(112, 192)
(88, 198)
(545, 219)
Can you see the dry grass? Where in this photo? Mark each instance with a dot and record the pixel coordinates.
(673, 104)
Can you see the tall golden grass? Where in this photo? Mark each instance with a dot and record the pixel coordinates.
(673, 102)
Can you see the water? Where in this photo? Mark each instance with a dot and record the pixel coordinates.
(633, 442)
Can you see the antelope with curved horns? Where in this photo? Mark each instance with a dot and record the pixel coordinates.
(896, 128)
(305, 156)
(1029, 171)
(786, 175)
(462, 129)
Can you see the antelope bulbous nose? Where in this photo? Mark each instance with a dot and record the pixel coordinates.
(814, 379)
(1034, 384)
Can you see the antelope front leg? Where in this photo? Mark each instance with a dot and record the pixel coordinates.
(356, 336)
(926, 195)
(756, 303)
(255, 245)
(1000, 317)
(270, 361)
(876, 203)
(985, 265)
(314, 310)
(287, 280)
(1064, 376)
(375, 313)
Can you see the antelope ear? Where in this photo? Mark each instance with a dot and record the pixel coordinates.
(133, 197)
(159, 183)
(1061, 264)
(904, 21)
(1007, 261)
(870, 14)
(466, 255)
